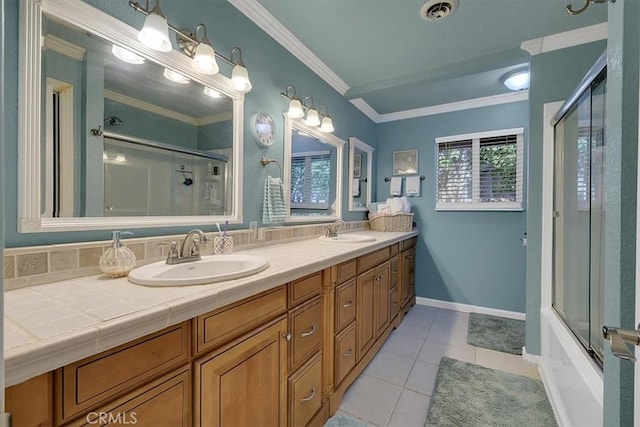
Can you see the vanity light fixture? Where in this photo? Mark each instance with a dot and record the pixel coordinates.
(212, 93)
(327, 123)
(313, 119)
(199, 49)
(155, 31)
(175, 76)
(517, 79)
(126, 55)
(239, 74)
(319, 117)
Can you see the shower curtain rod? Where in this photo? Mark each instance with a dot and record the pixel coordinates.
(162, 146)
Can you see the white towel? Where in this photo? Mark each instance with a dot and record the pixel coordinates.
(412, 186)
(395, 189)
(355, 186)
(274, 207)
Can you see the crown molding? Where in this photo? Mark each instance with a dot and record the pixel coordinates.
(152, 108)
(467, 104)
(269, 24)
(566, 39)
(215, 118)
(64, 47)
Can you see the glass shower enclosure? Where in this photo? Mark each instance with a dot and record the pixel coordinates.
(579, 211)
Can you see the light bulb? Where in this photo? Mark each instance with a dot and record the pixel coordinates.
(327, 124)
(295, 109)
(126, 55)
(155, 31)
(204, 60)
(240, 78)
(518, 80)
(175, 76)
(312, 118)
(212, 93)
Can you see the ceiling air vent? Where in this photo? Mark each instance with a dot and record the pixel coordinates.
(436, 10)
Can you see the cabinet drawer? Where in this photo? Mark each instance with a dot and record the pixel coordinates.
(393, 249)
(306, 333)
(305, 394)
(409, 243)
(345, 357)
(305, 288)
(92, 381)
(163, 402)
(347, 270)
(231, 321)
(365, 262)
(345, 304)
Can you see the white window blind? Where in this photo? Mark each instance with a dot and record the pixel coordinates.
(310, 176)
(481, 171)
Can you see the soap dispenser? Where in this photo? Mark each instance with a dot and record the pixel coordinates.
(118, 260)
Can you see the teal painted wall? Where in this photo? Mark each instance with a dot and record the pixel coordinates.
(465, 257)
(271, 69)
(215, 136)
(621, 163)
(554, 76)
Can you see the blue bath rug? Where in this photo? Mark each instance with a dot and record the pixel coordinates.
(496, 333)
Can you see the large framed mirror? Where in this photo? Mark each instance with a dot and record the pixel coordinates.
(313, 163)
(113, 134)
(360, 174)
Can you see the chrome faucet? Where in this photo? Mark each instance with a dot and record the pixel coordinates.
(189, 251)
(332, 229)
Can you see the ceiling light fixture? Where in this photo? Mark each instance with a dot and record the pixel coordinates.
(126, 55)
(517, 80)
(199, 49)
(319, 117)
(212, 93)
(175, 76)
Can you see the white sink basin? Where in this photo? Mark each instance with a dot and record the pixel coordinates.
(348, 238)
(210, 269)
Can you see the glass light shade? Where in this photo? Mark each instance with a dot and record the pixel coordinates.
(240, 78)
(327, 125)
(212, 93)
(518, 80)
(120, 158)
(175, 77)
(155, 32)
(204, 60)
(312, 118)
(295, 109)
(126, 55)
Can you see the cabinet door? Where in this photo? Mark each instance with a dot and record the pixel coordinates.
(246, 383)
(345, 357)
(407, 275)
(365, 320)
(381, 298)
(305, 394)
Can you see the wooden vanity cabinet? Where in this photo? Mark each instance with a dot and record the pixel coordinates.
(407, 277)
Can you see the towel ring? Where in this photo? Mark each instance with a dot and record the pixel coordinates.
(266, 161)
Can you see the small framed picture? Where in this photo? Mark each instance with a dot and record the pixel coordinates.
(357, 165)
(405, 162)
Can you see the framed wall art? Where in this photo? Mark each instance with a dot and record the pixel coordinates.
(405, 162)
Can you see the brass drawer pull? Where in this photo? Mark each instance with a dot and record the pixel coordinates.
(313, 394)
(349, 353)
(287, 337)
(309, 332)
(348, 304)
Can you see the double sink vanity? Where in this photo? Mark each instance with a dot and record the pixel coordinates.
(278, 347)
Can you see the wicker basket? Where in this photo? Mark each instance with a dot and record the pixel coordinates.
(386, 222)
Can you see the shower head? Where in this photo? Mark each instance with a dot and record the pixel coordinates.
(113, 121)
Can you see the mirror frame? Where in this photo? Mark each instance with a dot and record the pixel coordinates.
(86, 17)
(289, 125)
(362, 146)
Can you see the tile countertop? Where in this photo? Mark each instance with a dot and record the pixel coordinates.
(49, 326)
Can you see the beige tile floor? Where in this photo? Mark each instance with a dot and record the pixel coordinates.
(396, 387)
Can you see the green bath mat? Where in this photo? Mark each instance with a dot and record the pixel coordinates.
(342, 420)
(466, 394)
(496, 333)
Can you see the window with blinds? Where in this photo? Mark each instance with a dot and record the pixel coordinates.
(310, 175)
(480, 171)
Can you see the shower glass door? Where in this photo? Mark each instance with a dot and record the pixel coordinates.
(579, 215)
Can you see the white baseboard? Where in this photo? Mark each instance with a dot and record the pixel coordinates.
(467, 308)
(532, 359)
